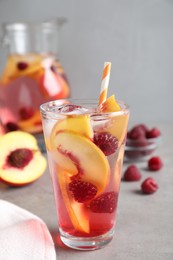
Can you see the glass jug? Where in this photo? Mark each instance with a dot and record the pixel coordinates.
(32, 74)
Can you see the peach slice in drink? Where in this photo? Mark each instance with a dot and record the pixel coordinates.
(117, 125)
(117, 171)
(77, 211)
(78, 124)
(110, 105)
(77, 154)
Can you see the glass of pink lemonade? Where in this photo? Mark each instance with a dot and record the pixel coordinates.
(85, 147)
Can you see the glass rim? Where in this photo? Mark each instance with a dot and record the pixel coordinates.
(46, 108)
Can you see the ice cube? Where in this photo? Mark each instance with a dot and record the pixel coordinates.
(72, 109)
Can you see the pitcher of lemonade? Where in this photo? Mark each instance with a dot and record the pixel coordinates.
(32, 74)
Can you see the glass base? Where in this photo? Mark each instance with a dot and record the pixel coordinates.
(86, 243)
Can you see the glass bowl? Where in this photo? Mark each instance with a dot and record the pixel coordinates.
(141, 149)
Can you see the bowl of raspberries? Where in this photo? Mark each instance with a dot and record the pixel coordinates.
(141, 142)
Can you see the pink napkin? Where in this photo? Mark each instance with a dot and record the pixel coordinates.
(23, 236)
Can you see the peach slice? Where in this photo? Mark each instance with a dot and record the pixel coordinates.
(118, 127)
(31, 125)
(77, 211)
(110, 105)
(21, 161)
(59, 87)
(77, 154)
(79, 124)
(11, 70)
(118, 124)
(118, 168)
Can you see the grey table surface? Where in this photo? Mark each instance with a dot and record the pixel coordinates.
(144, 228)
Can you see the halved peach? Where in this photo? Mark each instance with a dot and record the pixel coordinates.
(78, 213)
(76, 153)
(21, 161)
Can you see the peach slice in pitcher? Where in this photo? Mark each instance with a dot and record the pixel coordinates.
(31, 125)
(77, 212)
(76, 154)
(20, 65)
(59, 87)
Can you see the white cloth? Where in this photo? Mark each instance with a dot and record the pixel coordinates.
(23, 236)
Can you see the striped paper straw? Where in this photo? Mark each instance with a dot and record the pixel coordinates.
(105, 82)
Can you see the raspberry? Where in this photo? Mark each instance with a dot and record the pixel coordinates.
(106, 142)
(105, 203)
(22, 65)
(153, 133)
(26, 112)
(11, 126)
(53, 68)
(155, 163)
(132, 173)
(144, 127)
(128, 134)
(149, 186)
(82, 191)
(136, 133)
(19, 158)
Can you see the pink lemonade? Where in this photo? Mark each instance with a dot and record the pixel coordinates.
(99, 222)
(85, 147)
(26, 82)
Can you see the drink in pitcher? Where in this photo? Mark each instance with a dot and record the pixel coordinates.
(32, 74)
(32, 79)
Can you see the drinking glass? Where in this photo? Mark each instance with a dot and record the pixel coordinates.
(85, 149)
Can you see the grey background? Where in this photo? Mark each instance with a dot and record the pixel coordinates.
(136, 35)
